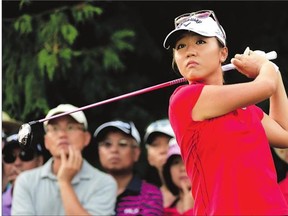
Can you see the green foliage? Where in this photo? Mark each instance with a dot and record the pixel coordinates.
(111, 60)
(42, 49)
(33, 93)
(23, 24)
(66, 54)
(119, 40)
(47, 62)
(85, 12)
(69, 33)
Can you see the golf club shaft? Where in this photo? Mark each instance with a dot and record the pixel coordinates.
(271, 55)
(141, 91)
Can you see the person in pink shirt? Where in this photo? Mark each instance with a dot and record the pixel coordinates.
(178, 182)
(223, 136)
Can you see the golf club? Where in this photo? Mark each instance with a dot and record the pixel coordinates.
(25, 133)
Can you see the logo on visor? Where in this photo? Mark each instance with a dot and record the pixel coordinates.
(189, 20)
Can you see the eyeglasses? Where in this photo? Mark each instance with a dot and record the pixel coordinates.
(54, 129)
(123, 144)
(202, 14)
(23, 155)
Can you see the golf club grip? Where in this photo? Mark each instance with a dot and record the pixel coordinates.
(270, 56)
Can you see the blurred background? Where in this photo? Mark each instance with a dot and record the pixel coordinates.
(82, 52)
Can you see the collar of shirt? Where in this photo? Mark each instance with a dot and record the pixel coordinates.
(133, 188)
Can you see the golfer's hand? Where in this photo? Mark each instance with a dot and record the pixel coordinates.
(249, 63)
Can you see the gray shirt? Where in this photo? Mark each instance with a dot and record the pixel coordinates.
(36, 191)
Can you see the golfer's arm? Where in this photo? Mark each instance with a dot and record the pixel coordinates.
(279, 105)
(276, 124)
(217, 100)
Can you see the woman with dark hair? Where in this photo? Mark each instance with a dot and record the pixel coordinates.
(178, 183)
(223, 135)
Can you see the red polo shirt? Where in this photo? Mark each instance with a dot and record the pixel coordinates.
(227, 158)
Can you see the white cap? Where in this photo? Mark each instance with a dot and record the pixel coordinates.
(160, 126)
(127, 128)
(79, 116)
(174, 148)
(207, 27)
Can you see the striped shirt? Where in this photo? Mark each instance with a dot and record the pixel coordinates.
(140, 198)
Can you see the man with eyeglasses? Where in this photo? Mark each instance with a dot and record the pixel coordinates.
(119, 149)
(16, 160)
(66, 184)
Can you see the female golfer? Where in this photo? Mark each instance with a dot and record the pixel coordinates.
(224, 138)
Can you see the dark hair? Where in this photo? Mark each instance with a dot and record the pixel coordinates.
(151, 175)
(111, 129)
(167, 175)
(154, 135)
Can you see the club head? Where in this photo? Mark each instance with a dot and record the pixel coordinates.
(25, 135)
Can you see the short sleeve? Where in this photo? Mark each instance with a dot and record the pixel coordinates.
(258, 111)
(181, 104)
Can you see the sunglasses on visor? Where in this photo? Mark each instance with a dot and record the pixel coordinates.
(202, 14)
(23, 155)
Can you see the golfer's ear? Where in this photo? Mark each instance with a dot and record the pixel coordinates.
(224, 54)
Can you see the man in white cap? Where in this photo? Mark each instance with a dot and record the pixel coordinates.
(156, 140)
(119, 150)
(67, 181)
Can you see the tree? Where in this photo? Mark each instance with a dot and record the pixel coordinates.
(77, 53)
(44, 49)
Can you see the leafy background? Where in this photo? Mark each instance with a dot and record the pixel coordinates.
(81, 52)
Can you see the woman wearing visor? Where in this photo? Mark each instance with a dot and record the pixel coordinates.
(224, 138)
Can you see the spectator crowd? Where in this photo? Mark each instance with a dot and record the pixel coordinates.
(65, 183)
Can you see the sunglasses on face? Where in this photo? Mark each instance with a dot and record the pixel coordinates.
(202, 14)
(23, 155)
